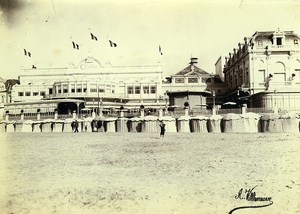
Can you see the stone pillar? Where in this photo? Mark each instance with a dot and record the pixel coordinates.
(74, 115)
(214, 110)
(6, 117)
(121, 113)
(244, 109)
(55, 115)
(142, 113)
(38, 116)
(22, 116)
(93, 114)
(275, 109)
(160, 112)
(186, 111)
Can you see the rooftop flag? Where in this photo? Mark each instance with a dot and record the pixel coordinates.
(112, 44)
(93, 37)
(27, 53)
(159, 49)
(75, 45)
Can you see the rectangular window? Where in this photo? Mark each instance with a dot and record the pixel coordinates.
(84, 87)
(153, 89)
(101, 88)
(179, 80)
(193, 80)
(146, 89)
(113, 89)
(73, 88)
(279, 41)
(262, 76)
(42, 93)
(35, 93)
(93, 88)
(79, 88)
(129, 89)
(27, 93)
(59, 89)
(65, 88)
(21, 94)
(137, 89)
(50, 91)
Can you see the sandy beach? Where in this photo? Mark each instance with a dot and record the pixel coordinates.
(142, 173)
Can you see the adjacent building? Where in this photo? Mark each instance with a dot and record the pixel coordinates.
(264, 71)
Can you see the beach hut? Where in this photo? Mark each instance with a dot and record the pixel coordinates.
(57, 126)
(199, 124)
(37, 126)
(136, 124)
(87, 124)
(183, 124)
(27, 126)
(110, 124)
(290, 123)
(214, 123)
(150, 124)
(67, 127)
(271, 123)
(170, 123)
(10, 126)
(18, 126)
(122, 124)
(232, 123)
(47, 125)
(2, 126)
(251, 122)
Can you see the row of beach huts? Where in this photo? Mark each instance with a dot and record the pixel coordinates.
(233, 123)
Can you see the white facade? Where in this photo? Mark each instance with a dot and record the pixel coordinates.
(129, 86)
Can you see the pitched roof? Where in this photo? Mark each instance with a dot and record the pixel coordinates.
(188, 70)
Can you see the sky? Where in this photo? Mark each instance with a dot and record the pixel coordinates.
(183, 28)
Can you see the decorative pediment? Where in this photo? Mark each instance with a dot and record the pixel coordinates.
(89, 63)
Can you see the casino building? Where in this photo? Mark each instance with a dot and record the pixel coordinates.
(90, 86)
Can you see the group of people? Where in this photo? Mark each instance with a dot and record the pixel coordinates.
(75, 125)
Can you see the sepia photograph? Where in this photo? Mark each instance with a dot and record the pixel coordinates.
(149, 106)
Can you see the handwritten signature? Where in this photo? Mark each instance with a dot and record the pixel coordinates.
(250, 195)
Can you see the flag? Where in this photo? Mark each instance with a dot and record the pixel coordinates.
(27, 53)
(159, 49)
(112, 44)
(33, 67)
(93, 37)
(75, 46)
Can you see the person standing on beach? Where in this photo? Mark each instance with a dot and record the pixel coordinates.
(75, 126)
(162, 129)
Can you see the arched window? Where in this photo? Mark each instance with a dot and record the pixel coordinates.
(279, 72)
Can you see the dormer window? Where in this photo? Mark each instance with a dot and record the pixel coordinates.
(279, 41)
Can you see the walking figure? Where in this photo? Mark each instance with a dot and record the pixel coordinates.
(162, 129)
(75, 126)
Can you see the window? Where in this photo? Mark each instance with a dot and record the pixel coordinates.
(260, 43)
(113, 89)
(73, 88)
(146, 89)
(42, 93)
(21, 94)
(84, 87)
(279, 41)
(59, 89)
(93, 88)
(137, 89)
(79, 88)
(192, 80)
(65, 88)
(101, 88)
(179, 80)
(27, 93)
(153, 89)
(50, 91)
(296, 41)
(129, 89)
(35, 93)
(261, 76)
